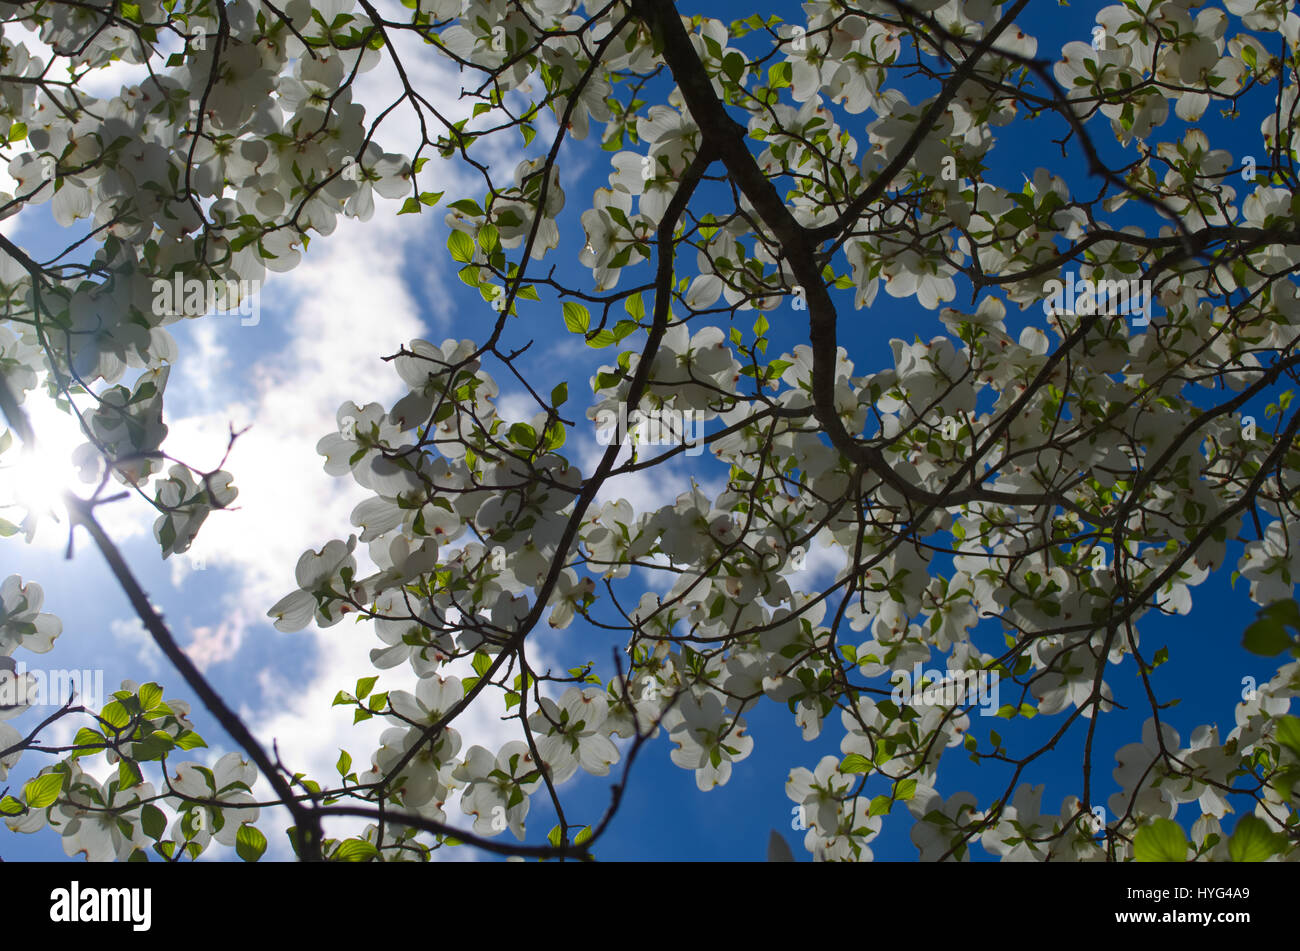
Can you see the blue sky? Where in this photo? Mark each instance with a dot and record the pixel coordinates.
(371, 287)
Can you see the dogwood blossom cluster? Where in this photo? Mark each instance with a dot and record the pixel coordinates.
(119, 813)
(240, 139)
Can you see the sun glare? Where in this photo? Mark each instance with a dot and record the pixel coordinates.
(34, 480)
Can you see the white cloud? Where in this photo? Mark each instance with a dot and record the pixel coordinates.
(211, 644)
(133, 641)
(822, 564)
(646, 489)
(516, 407)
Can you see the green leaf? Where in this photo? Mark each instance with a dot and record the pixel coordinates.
(43, 790)
(554, 436)
(115, 715)
(855, 763)
(467, 206)
(635, 307)
(159, 740)
(411, 206)
(1266, 637)
(250, 844)
(153, 821)
(344, 765)
(355, 850)
(1286, 611)
(128, 773)
(461, 246)
(87, 737)
(560, 394)
(1162, 841)
(524, 435)
(576, 317)
(190, 740)
(1288, 733)
(149, 695)
(733, 64)
(1254, 841)
(364, 686)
